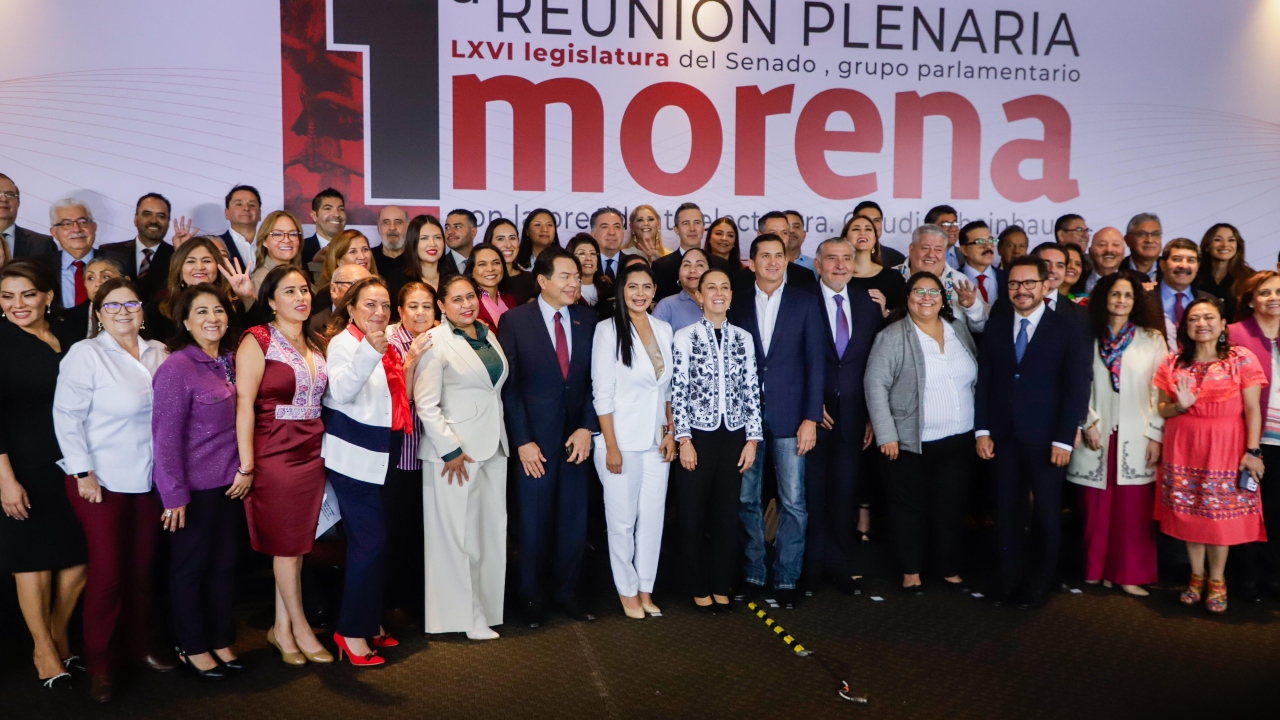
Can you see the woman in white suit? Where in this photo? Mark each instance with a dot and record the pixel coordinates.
(1116, 463)
(631, 381)
(457, 393)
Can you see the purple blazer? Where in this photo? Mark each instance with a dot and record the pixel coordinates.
(193, 425)
(1246, 333)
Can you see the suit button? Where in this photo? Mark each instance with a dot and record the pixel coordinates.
(1017, 377)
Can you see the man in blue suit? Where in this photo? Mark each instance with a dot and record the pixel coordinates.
(550, 421)
(1034, 371)
(850, 321)
(786, 324)
(243, 210)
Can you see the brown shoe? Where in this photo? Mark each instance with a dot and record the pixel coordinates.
(158, 662)
(101, 688)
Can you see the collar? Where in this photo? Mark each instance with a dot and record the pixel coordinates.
(1167, 291)
(482, 332)
(196, 353)
(548, 312)
(111, 345)
(776, 293)
(828, 293)
(989, 272)
(1054, 296)
(1034, 317)
(67, 259)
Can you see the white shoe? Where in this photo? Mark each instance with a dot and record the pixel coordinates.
(483, 633)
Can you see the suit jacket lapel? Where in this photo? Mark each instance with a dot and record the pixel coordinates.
(581, 336)
(469, 356)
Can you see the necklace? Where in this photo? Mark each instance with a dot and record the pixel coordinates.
(295, 341)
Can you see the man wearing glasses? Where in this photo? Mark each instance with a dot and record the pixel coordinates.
(946, 217)
(1145, 239)
(73, 227)
(1072, 229)
(978, 248)
(19, 242)
(343, 278)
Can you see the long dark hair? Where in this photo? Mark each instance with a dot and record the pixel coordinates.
(599, 279)
(875, 250)
(524, 256)
(1187, 346)
(445, 284)
(342, 315)
(1146, 313)
(182, 308)
(267, 291)
(1237, 269)
(621, 313)
(413, 235)
(735, 254)
(1086, 269)
(168, 304)
(471, 263)
(945, 312)
(489, 232)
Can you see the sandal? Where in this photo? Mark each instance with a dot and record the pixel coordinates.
(1217, 600)
(1194, 591)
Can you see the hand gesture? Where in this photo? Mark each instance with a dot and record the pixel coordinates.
(13, 497)
(378, 339)
(89, 488)
(174, 519)
(1185, 394)
(966, 293)
(240, 486)
(531, 458)
(456, 469)
(890, 450)
(240, 281)
(183, 231)
(880, 300)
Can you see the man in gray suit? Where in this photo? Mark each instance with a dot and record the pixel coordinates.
(19, 242)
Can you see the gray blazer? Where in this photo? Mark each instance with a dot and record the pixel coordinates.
(895, 374)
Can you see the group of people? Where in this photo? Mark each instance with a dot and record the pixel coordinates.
(267, 380)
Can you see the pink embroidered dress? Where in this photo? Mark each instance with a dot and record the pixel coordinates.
(1198, 500)
(288, 486)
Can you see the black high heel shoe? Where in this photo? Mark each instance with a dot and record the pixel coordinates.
(61, 681)
(213, 674)
(234, 667)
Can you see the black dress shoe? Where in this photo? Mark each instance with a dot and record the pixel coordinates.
(786, 598)
(534, 614)
(1271, 589)
(101, 688)
(914, 590)
(961, 587)
(706, 609)
(213, 674)
(234, 667)
(158, 662)
(61, 681)
(75, 662)
(847, 585)
(749, 592)
(575, 611)
(724, 608)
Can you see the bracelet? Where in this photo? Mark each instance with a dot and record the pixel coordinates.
(242, 471)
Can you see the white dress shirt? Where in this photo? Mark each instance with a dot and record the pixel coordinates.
(138, 247)
(829, 304)
(990, 282)
(605, 260)
(69, 276)
(102, 412)
(767, 313)
(458, 259)
(549, 317)
(1051, 301)
(949, 376)
(244, 246)
(590, 294)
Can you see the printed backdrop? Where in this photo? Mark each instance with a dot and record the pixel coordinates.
(501, 106)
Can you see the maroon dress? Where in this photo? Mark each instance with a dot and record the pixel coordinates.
(284, 507)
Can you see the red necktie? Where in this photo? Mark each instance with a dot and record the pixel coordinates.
(982, 288)
(82, 294)
(146, 262)
(1177, 309)
(562, 347)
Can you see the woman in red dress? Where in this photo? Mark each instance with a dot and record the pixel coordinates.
(280, 381)
(1209, 393)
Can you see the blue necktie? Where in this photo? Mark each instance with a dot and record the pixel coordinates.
(1020, 344)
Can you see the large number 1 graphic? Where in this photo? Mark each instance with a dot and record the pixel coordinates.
(401, 41)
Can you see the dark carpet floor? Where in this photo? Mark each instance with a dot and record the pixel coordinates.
(1096, 654)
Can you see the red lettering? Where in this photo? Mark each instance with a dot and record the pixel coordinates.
(475, 49)
(908, 143)
(528, 103)
(753, 109)
(813, 140)
(707, 138)
(1054, 151)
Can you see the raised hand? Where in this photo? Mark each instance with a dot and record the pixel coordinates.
(240, 281)
(378, 339)
(966, 293)
(183, 231)
(1185, 393)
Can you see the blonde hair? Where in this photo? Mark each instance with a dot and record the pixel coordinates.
(657, 231)
(266, 227)
(337, 249)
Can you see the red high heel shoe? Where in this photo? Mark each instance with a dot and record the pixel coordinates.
(369, 660)
(384, 641)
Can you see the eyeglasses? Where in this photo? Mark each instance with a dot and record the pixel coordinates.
(114, 308)
(277, 235)
(948, 224)
(8, 194)
(1142, 234)
(981, 241)
(926, 292)
(342, 283)
(78, 222)
(1078, 231)
(1025, 284)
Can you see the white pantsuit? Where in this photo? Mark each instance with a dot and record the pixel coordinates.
(635, 499)
(466, 525)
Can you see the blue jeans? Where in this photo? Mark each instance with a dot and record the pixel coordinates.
(792, 520)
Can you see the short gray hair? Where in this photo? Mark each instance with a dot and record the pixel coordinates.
(831, 241)
(1140, 218)
(928, 229)
(68, 203)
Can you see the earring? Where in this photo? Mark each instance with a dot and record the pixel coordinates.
(47, 309)
(142, 325)
(99, 326)
(1222, 338)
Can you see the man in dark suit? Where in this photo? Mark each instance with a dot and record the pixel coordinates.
(798, 278)
(146, 258)
(1144, 236)
(243, 210)
(19, 242)
(786, 324)
(978, 248)
(73, 226)
(1055, 259)
(850, 323)
(1179, 265)
(1034, 371)
(666, 269)
(550, 420)
(329, 213)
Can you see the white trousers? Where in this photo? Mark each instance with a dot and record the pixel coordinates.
(466, 546)
(634, 503)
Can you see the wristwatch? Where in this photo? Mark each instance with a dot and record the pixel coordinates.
(81, 476)
(1253, 452)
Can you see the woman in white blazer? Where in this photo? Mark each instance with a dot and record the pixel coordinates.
(1116, 462)
(631, 382)
(102, 418)
(457, 393)
(366, 410)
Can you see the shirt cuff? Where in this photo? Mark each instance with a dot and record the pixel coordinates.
(981, 433)
(1063, 446)
(76, 464)
(449, 457)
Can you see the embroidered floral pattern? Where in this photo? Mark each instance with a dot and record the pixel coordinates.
(697, 375)
(307, 394)
(1209, 494)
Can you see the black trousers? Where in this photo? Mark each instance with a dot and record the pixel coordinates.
(707, 499)
(1023, 472)
(831, 480)
(927, 494)
(1260, 561)
(202, 571)
(402, 501)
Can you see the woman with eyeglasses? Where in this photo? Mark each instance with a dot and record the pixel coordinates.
(595, 284)
(279, 242)
(920, 394)
(41, 542)
(102, 416)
